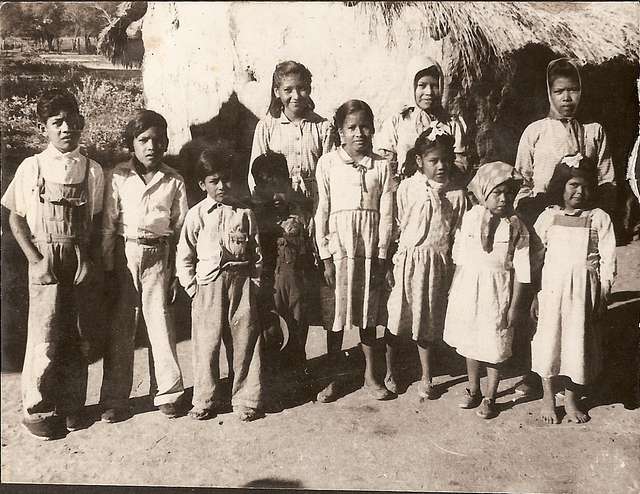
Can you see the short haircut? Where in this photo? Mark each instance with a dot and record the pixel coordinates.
(563, 173)
(141, 121)
(218, 158)
(563, 68)
(53, 101)
(270, 164)
(349, 107)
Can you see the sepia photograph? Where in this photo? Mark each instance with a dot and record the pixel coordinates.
(320, 246)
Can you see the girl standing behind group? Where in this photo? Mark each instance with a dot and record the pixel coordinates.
(579, 269)
(490, 250)
(423, 108)
(429, 212)
(292, 128)
(354, 223)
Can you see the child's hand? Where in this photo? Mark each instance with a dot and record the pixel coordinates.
(173, 290)
(389, 279)
(330, 272)
(534, 311)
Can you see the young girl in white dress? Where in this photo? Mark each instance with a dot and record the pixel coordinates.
(354, 223)
(491, 253)
(579, 269)
(429, 211)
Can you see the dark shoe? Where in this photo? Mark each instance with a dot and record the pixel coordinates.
(113, 415)
(46, 429)
(488, 409)
(77, 421)
(201, 413)
(329, 393)
(170, 410)
(470, 400)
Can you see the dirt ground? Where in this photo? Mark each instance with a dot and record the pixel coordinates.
(357, 443)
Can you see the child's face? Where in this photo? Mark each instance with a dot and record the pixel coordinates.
(63, 130)
(356, 133)
(217, 186)
(576, 193)
(565, 95)
(294, 93)
(427, 92)
(150, 146)
(500, 200)
(435, 164)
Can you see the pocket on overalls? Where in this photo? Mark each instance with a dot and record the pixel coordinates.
(41, 273)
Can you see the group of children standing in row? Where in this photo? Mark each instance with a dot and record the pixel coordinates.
(459, 262)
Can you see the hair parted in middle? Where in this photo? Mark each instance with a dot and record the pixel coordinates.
(347, 108)
(282, 70)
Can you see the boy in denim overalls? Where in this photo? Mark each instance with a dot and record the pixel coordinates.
(55, 201)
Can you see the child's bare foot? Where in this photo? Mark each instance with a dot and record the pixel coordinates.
(571, 407)
(426, 390)
(329, 393)
(201, 413)
(391, 384)
(470, 400)
(488, 409)
(548, 412)
(377, 391)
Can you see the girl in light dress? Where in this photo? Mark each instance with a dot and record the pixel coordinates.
(491, 253)
(429, 211)
(578, 272)
(354, 223)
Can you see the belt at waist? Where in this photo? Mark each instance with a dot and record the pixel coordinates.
(60, 238)
(149, 241)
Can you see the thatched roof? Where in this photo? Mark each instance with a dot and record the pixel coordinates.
(197, 53)
(127, 23)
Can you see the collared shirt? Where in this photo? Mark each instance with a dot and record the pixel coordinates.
(21, 196)
(203, 248)
(543, 145)
(399, 133)
(301, 143)
(138, 210)
(341, 187)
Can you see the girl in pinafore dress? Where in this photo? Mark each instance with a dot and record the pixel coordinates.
(354, 223)
(429, 211)
(491, 253)
(579, 269)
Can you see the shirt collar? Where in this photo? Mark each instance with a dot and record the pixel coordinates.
(311, 117)
(53, 153)
(210, 204)
(367, 161)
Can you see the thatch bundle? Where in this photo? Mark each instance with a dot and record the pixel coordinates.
(121, 40)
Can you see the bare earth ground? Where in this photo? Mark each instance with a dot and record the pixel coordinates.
(357, 443)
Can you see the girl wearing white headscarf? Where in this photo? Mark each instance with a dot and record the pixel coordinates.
(423, 108)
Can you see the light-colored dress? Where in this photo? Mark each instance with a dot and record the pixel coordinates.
(476, 321)
(354, 223)
(579, 268)
(543, 145)
(428, 216)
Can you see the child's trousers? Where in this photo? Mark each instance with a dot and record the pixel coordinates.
(54, 376)
(227, 305)
(143, 279)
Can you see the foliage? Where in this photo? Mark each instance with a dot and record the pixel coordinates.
(106, 98)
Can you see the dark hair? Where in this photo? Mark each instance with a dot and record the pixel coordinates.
(563, 173)
(562, 68)
(141, 121)
(430, 71)
(53, 101)
(218, 158)
(423, 144)
(270, 164)
(281, 71)
(347, 108)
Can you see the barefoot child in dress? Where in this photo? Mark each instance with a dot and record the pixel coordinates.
(354, 223)
(55, 199)
(491, 253)
(429, 211)
(579, 269)
(219, 263)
